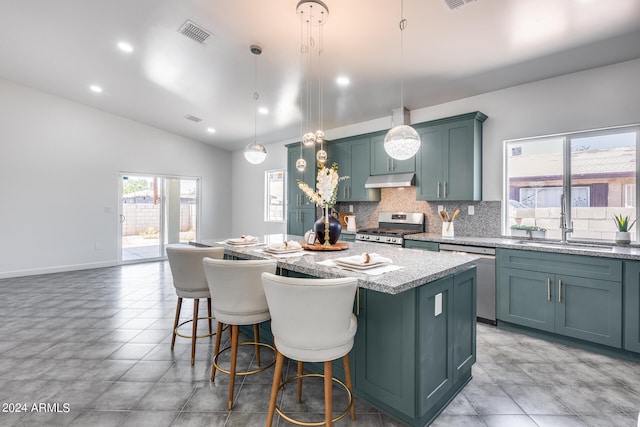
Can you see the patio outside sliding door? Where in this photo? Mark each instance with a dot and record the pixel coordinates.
(156, 211)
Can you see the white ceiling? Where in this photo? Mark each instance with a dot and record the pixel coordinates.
(64, 46)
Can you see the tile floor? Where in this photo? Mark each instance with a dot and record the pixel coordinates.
(98, 341)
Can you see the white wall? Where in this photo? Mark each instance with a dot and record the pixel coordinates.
(600, 97)
(60, 165)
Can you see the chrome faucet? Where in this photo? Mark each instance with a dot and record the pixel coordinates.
(563, 219)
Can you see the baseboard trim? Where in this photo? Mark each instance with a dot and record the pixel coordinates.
(57, 269)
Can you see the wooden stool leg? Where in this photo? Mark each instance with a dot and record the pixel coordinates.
(300, 372)
(209, 314)
(216, 349)
(256, 338)
(347, 378)
(194, 329)
(328, 395)
(175, 323)
(234, 356)
(277, 379)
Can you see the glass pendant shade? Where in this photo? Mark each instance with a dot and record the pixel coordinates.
(319, 136)
(321, 156)
(255, 153)
(301, 164)
(308, 139)
(402, 142)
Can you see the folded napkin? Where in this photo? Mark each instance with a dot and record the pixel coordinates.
(367, 258)
(283, 246)
(245, 238)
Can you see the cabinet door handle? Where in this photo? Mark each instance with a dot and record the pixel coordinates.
(349, 193)
(438, 188)
(444, 184)
(345, 191)
(548, 289)
(388, 164)
(559, 290)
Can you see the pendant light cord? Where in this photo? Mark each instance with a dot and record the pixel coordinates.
(255, 99)
(402, 25)
(302, 119)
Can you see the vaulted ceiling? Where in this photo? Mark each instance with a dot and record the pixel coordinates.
(65, 46)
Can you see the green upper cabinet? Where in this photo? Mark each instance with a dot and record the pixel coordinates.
(300, 211)
(351, 155)
(449, 163)
(382, 164)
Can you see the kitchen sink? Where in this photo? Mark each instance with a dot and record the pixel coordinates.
(557, 244)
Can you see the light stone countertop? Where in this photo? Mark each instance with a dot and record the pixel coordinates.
(419, 267)
(572, 248)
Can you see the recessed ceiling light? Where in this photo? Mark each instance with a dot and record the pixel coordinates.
(343, 81)
(263, 110)
(211, 130)
(95, 88)
(125, 47)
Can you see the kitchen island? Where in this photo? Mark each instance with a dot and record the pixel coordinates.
(416, 339)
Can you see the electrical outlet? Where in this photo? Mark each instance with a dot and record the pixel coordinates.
(440, 208)
(471, 210)
(350, 208)
(438, 306)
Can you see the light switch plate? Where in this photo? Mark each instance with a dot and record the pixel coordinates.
(440, 208)
(438, 307)
(471, 210)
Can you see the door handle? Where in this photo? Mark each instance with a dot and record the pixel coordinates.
(122, 218)
(559, 290)
(548, 289)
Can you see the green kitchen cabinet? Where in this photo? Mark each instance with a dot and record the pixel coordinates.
(415, 348)
(351, 155)
(382, 164)
(301, 213)
(570, 295)
(449, 163)
(422, 244)
(632, 306)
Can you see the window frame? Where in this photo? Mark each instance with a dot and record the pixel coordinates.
(267, 195)
(566, 172)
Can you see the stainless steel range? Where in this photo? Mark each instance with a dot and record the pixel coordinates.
(392, 227)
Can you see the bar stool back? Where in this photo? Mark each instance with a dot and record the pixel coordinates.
(312, 321)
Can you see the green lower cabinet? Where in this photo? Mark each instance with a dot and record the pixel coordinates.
(589, 309)
(524, 298)
(583, 307)
(632, 306)
(299, 221)
(414, 350)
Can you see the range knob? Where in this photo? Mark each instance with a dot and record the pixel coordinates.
(377, 237)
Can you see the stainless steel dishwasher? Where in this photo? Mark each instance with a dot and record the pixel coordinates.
(486, 278)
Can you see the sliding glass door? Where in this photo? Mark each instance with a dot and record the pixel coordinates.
(156, 211)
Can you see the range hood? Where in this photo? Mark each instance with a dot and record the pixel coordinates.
(391, 180)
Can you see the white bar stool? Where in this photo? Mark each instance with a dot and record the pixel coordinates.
(238, 299)
(190, 282)
(312, 321)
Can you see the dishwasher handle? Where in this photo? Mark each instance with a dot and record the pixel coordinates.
(475, 250)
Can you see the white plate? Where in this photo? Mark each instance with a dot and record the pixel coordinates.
(282, 251)
(357, 262)
(241, 242)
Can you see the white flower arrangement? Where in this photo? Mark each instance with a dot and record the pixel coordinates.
(327, 186)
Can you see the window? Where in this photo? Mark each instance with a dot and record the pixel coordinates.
(274, 195)
(596, 170)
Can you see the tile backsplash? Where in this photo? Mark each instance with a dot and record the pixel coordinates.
(484, 223)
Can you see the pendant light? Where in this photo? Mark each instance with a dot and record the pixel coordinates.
(402, 141)
(312, 13)
(254, 152)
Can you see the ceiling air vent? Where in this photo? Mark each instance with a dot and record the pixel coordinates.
(456, 3)
(193, 118)
(195, 32)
